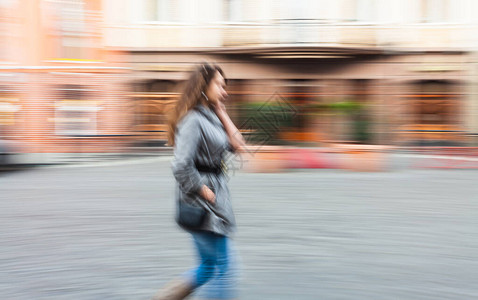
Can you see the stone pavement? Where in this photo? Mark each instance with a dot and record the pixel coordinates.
(107, 232)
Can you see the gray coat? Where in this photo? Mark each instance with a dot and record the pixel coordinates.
(200, 139)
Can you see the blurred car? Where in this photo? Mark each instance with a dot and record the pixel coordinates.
(8, 154)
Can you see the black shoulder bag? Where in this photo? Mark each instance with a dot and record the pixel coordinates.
(190, 216)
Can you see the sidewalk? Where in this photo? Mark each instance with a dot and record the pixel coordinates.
(44, 159)
(372, 158)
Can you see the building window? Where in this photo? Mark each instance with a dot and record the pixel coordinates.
(161, 10)
(233, 11)
(300, 95)
(435, 102)
(359, 114)
(359, 10)
(7, 28)
(76, 112)
(9, 108)
(434, 11)
(74, 27)
(366, 11)
(153, 102)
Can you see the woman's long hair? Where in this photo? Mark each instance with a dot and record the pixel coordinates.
(192, 95)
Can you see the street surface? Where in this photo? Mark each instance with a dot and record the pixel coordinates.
(107, 232)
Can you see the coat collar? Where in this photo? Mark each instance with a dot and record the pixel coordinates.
(207, 113)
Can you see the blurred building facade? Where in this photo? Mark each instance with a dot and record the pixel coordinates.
(59, 90)
(405, 68)
(91, 75)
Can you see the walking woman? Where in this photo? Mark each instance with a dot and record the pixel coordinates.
(202, 133)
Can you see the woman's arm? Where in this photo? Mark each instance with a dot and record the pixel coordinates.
(235, 137)
(184, 170)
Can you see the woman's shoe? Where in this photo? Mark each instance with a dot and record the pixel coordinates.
(175, 290)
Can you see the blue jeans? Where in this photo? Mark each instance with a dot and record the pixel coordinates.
(217, 268)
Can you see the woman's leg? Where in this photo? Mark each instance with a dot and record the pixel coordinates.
(209, 247)
(215, 262)
(224, 284)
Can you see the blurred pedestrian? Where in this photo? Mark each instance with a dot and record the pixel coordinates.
(202, 133)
